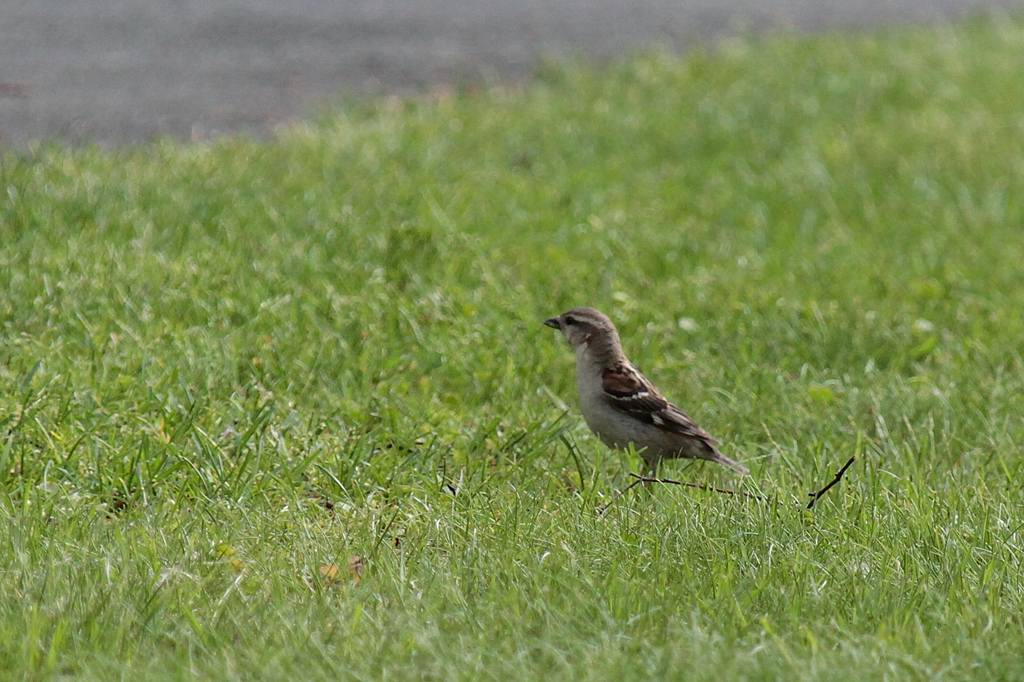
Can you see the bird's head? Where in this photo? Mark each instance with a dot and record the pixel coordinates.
(584, 327)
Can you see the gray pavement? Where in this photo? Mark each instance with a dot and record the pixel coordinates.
(117, 71)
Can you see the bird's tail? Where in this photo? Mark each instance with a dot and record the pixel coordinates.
(732, 464)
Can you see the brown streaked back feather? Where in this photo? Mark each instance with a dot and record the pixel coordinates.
(629, 391)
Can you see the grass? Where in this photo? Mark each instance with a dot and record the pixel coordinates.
(227, 370)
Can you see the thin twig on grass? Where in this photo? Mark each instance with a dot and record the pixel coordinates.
(618, 493)
(725, 491)
(698, 486)
(839, 476)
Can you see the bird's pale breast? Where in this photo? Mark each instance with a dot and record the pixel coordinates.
(611, 426)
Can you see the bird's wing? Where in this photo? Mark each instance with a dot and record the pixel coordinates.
(630, 392)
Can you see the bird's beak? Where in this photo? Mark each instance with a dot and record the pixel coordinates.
(553, 323)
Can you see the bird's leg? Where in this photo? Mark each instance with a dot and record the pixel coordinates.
(650, 470)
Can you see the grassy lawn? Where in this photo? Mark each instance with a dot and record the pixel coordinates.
(287, 408)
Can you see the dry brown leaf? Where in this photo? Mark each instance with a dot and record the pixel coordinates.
(329, 572)
(356, 564)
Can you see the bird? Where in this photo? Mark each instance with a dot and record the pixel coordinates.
(621, 406)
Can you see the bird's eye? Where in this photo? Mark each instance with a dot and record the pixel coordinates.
(570, 320)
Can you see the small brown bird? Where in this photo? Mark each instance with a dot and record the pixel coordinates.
(618, 402)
